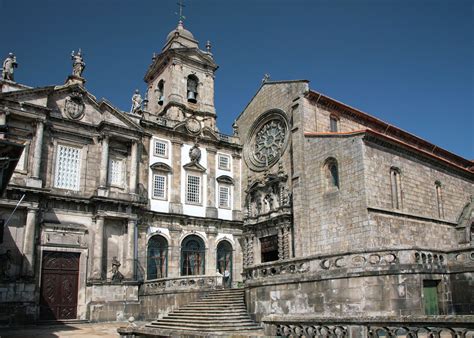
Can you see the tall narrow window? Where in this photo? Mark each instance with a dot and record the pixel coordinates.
(396, 188)
(157, 257)
(192, 86)
(332, 173)
(439, 199)
(192, 256)
(223, 162)
(224, 196)
(333, 124)
(68, 165)
(161, 92)
(193, 189)
(159, 186)
(116, 172)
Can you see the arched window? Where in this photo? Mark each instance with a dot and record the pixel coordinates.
(192, 256)
(332, 173)
(192, 85)
(160, 88)
(224, 262)
(396, 187)
(157, 264)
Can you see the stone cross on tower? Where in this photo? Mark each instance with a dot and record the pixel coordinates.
(181, 6)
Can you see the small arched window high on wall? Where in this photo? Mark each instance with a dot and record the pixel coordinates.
(396, 188)
(439, 199)
(192, 256)
(192, 86)
(160, 89)
(331, 172)
(157, 257)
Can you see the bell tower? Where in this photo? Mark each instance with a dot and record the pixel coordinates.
(180, 80)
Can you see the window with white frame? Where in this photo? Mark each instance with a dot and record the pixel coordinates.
(68, 166)
(116, 172)
(160, 148)
(193, 189)
(224, 196)
(224, 162)
(159, 186)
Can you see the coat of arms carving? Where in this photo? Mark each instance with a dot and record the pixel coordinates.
(74, 105)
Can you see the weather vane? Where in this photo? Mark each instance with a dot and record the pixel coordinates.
(181, 6)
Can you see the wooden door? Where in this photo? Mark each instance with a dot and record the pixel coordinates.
(59, 282)
(430, 297)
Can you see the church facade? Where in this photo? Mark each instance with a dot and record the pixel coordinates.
(312, 206)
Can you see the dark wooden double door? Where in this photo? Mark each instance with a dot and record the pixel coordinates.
(59, 282)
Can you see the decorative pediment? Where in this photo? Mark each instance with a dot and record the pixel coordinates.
(225, 179)
(194, 166)
(160, 166)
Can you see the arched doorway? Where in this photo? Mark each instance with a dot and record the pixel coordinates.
(224, 262)
(157, 261)
(192, 256)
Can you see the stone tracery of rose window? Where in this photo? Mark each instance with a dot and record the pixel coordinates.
(269, 141)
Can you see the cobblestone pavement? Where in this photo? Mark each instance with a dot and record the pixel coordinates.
(83, 330)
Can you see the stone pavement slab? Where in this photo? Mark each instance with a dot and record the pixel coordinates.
(83, 330)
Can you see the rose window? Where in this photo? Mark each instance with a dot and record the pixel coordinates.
(269, 141)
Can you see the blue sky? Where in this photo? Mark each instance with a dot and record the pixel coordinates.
(409, 63)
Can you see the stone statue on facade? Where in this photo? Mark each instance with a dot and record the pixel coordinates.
(78, 63)
(136, 102)
(8, 65)
(195, 153)
(116, 274)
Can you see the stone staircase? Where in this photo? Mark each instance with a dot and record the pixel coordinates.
(219, 312)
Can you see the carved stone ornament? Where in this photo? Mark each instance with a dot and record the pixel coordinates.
(267, 141)
(195, 154)
(193, 125)
(74, 105)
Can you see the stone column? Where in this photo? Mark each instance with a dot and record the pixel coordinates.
(34, 180)
(211, 210)
(174, 254)
(289, 241)
(133, 167)
(104, 162)
(176, 206)
(29, 243)
(97, 260)
(281, 244)
(130, 260)
(236, 198)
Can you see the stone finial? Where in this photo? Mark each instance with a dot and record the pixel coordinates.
(153, 58)
(8, 65)
(208, 46)
(266, 78)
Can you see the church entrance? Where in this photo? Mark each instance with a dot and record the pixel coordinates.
(224, 262)
(59, 283)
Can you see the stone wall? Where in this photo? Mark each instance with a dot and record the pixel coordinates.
(18, 302)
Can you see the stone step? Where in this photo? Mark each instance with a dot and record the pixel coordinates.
(212, 316)
(222, 298)
(219, 303)
(201, 326)
(214, 306)
(206, 322)
(257, 330)
(211, 312)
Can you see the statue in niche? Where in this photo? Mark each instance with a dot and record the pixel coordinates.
(195, 153)
(78, 64)
(6, 260)
(116, 274)
(8, 65)
(136, 102)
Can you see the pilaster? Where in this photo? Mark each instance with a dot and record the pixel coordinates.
(29, 243)
(211, 210)
(175, 204)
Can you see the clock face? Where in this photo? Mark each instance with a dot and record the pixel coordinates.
(267, 140)
(193, 125)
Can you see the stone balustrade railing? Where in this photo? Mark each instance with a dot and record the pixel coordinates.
(364, 261)
(198, 282)
(403, 326)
